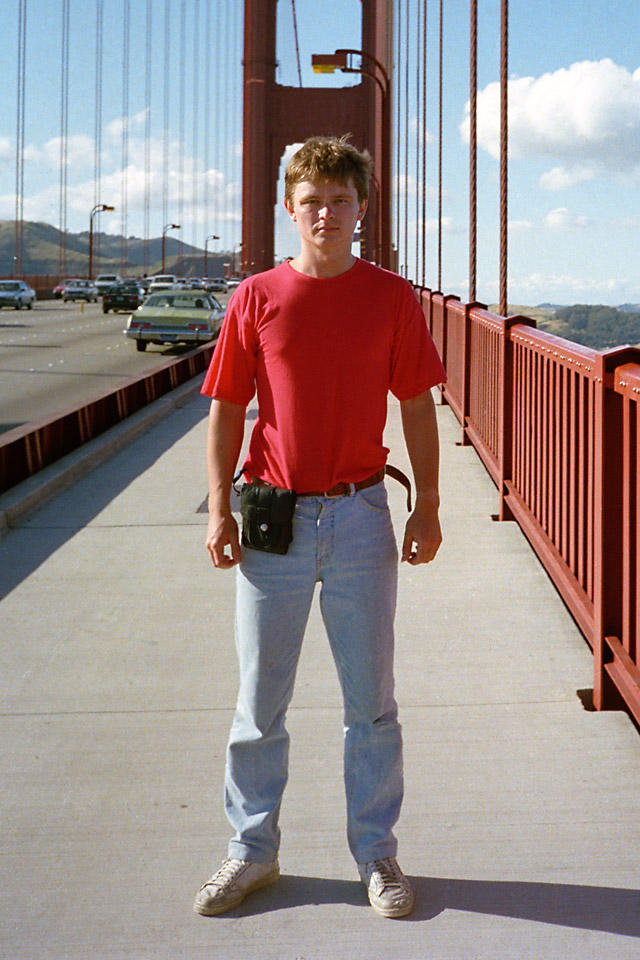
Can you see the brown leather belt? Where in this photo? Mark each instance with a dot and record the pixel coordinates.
(345, 489)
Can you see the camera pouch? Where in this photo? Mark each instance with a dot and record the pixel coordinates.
(267, 517)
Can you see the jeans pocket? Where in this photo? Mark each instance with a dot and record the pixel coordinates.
(373, 498)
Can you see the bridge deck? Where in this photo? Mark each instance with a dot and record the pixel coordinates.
(520, 826)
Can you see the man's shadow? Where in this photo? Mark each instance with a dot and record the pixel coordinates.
(605, 909)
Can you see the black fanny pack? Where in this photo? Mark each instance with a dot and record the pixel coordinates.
(267, 517)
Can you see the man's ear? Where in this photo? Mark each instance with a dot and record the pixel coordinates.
(289, 208)
(363, 208)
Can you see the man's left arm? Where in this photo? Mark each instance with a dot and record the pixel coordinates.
(422, 536)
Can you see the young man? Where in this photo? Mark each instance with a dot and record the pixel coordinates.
(322, 338)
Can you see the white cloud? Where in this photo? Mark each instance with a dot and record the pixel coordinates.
(562, 219)
(587, 116)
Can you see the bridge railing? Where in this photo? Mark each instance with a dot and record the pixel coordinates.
(556, 425)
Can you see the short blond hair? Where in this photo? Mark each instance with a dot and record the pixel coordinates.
(329, 158)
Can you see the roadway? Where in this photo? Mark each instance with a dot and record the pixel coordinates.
(60, 354)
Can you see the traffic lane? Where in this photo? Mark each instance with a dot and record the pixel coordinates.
(60, 354)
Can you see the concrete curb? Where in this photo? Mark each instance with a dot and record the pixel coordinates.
(28, 496)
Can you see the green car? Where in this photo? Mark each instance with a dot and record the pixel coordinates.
(176, 316)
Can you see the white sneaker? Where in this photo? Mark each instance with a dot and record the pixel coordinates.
(230, 885)
(390, 892)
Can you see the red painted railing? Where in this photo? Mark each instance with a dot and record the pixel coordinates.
(556, 425)
(29, 448)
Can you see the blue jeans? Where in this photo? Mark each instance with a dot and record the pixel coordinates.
(348, 545)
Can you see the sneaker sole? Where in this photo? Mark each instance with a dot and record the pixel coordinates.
(214, 911)
(392, 913)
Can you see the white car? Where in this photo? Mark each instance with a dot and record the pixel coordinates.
(106, 280)
(163, 281)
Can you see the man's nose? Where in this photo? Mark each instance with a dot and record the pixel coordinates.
(326, 210)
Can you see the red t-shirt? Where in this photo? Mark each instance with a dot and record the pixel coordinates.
(322, 355)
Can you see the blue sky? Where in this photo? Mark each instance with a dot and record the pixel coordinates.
(574, 168)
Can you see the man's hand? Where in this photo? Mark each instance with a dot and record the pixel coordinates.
(422, 535)
(222, 533)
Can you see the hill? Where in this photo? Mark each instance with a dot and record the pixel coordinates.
(41, 247)
(592, 325)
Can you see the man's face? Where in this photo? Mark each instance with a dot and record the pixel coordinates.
(326, 212)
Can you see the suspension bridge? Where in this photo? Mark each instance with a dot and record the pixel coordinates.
(536, 855)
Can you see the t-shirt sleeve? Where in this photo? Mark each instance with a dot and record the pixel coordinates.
(231, 373)
(415, 363)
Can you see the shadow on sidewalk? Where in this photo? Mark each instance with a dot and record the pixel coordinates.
(605, 909)
(24, 548)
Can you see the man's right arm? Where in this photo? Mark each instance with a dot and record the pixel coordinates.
(224, 442)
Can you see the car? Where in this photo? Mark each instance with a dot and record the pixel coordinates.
(106, 280)
(81, 290)
(233, 281)
(17, 294)
(219, 284)
(163, 281)
(60, 288)
(126, 296)
(176, 316)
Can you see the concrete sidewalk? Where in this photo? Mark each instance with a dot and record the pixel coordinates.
(521, 825)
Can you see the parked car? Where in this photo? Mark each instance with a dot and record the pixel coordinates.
(106, 280)
(176, 316)
(163, 281)
(81, 290)
(17, 294)
(60, 288)
(127, 296)
(233, 281)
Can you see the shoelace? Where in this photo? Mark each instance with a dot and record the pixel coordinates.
(228, 872)
(389, 873)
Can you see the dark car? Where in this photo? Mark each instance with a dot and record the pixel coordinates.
(123, 296)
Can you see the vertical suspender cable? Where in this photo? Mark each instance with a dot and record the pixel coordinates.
(207, 115)
(64, 131)
(419, 28)
(181, 118)
(124, 186)
(424, 143)
(147, 136)
(504, 149)
(441, 71)
(473, 149)
(398, 100)
(195, 107)
(406, 145)
(217, 156)
(97, 131)
(166, 114)
(19, 223)
(295, 38)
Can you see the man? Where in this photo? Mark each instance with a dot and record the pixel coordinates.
(322, 338)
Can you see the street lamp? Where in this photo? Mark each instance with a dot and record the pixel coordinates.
(212, 237)
(342, 60)
(99, 208)
(169, 226)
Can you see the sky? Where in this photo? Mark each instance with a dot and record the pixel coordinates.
(574, 132)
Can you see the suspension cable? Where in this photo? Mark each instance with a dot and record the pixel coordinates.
(124, 191)
(22, 56)
(398, 100)
(295, 37)
(473, 149)
(181, 116)
(147, 137)
(97, 130)
(441, 71)
(195, 128)
(64, 131)
(504, 149)
(424, 143)
(166, 112)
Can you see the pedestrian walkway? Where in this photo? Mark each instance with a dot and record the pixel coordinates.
(521, 824)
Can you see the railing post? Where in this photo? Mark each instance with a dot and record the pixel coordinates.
(608, 526)
(506, 413)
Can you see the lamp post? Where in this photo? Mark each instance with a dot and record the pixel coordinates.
(342, 60)
(212, 237)
(99, 208)
(169, 226)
